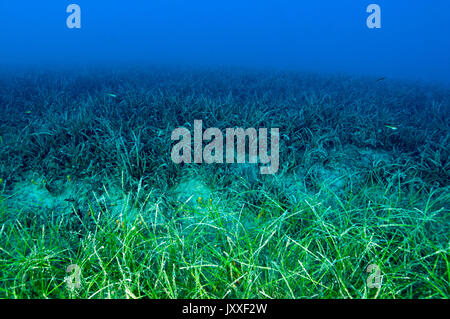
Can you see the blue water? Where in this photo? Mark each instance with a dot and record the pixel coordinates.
(319, 36)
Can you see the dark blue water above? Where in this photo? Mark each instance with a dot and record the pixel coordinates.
(326, 36)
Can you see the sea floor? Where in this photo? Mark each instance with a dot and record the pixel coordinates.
(358, 207)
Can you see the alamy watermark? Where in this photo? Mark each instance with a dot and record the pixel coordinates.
(214, 151)
(374, 19)
(74, 279)
(73, 21)
(375, 279)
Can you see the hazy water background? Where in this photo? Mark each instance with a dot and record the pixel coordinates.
(319, 36)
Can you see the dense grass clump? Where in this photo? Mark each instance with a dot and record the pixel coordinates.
(86, 178)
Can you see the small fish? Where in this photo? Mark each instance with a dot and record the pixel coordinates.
(28, 112)
(381, 79)
(394, 128)
(111, 95)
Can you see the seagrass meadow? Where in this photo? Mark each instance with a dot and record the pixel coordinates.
(87, 179)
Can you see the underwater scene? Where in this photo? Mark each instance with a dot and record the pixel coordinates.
(223, 157)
